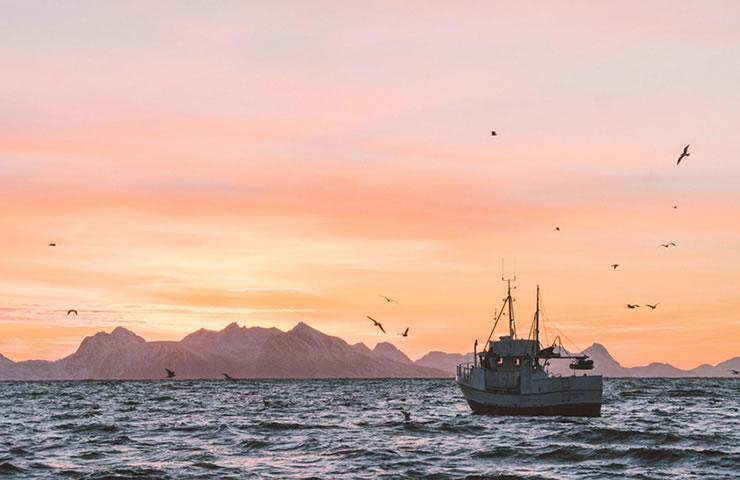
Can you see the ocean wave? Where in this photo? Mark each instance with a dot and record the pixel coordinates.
(689, 393)
(8, 468)
(18, 451)
(103, 428)
(123, 474)
(506, 476)
(452, 428)
(499, 452)
(278, 426)
(207, 465)
(671, 455)
(93, 455)
(609, 435)
(162, 398)
(580, 453)
(252, 444)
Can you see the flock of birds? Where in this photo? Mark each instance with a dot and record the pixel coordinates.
(376, 323)
(652, 307)
(407, 416)
(684, 153)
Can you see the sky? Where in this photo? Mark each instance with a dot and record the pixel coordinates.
(267, 163)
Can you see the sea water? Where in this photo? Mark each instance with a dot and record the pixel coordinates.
(171, 429)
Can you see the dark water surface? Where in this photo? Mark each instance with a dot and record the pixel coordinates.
(650, 428)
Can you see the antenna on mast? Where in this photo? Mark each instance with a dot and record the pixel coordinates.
(503, 277)
(509, 300)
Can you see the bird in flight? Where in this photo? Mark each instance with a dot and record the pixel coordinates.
(52, 244)
(376, 323)
(666, 245)
(170, 373)
(652, 307)
(389, 300)
(406, 416)
(629, 305)
(227, 377)
(72, 311)
(735, 372)
(675, 206)
(685, 153)
(615, 265)
(405, 333)
(557, 229)
(493, 133)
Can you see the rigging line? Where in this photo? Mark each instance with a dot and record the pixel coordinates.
(544, 323)
(555, 326)
(530, 335)
(543, 326)
(494, 326)
(535, 318)
(572, 343)
(580, 350)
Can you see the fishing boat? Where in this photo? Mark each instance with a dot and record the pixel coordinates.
(510, 376)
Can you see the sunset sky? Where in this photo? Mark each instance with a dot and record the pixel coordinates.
(200, 163)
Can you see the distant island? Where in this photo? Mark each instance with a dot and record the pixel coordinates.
(302, 352)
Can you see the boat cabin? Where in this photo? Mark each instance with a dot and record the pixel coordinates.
(507, 354)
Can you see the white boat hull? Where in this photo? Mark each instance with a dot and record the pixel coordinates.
(571, 396)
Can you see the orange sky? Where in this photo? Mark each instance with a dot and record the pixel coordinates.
(274, 163)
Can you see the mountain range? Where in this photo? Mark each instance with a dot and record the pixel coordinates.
(302, 352)
(604, 364)
(240, 352)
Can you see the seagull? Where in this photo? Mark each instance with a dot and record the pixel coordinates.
(376, 323)
(615, 265)
(685, 153)
(629, 305)
(557, 229)
(52, 244)
(170, 373)
(405, 333)
(675, 206)
(652, 307)
(666, 245)
(406, 416)
(227, 377)
(735, 372)
(389, 300)
(72, 311)
(493, 133)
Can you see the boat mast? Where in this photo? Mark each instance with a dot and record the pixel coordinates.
(537, 323)
(512, 326)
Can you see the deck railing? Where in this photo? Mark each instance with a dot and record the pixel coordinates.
(464, 370)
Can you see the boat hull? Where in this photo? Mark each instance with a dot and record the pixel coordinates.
(567, 396)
